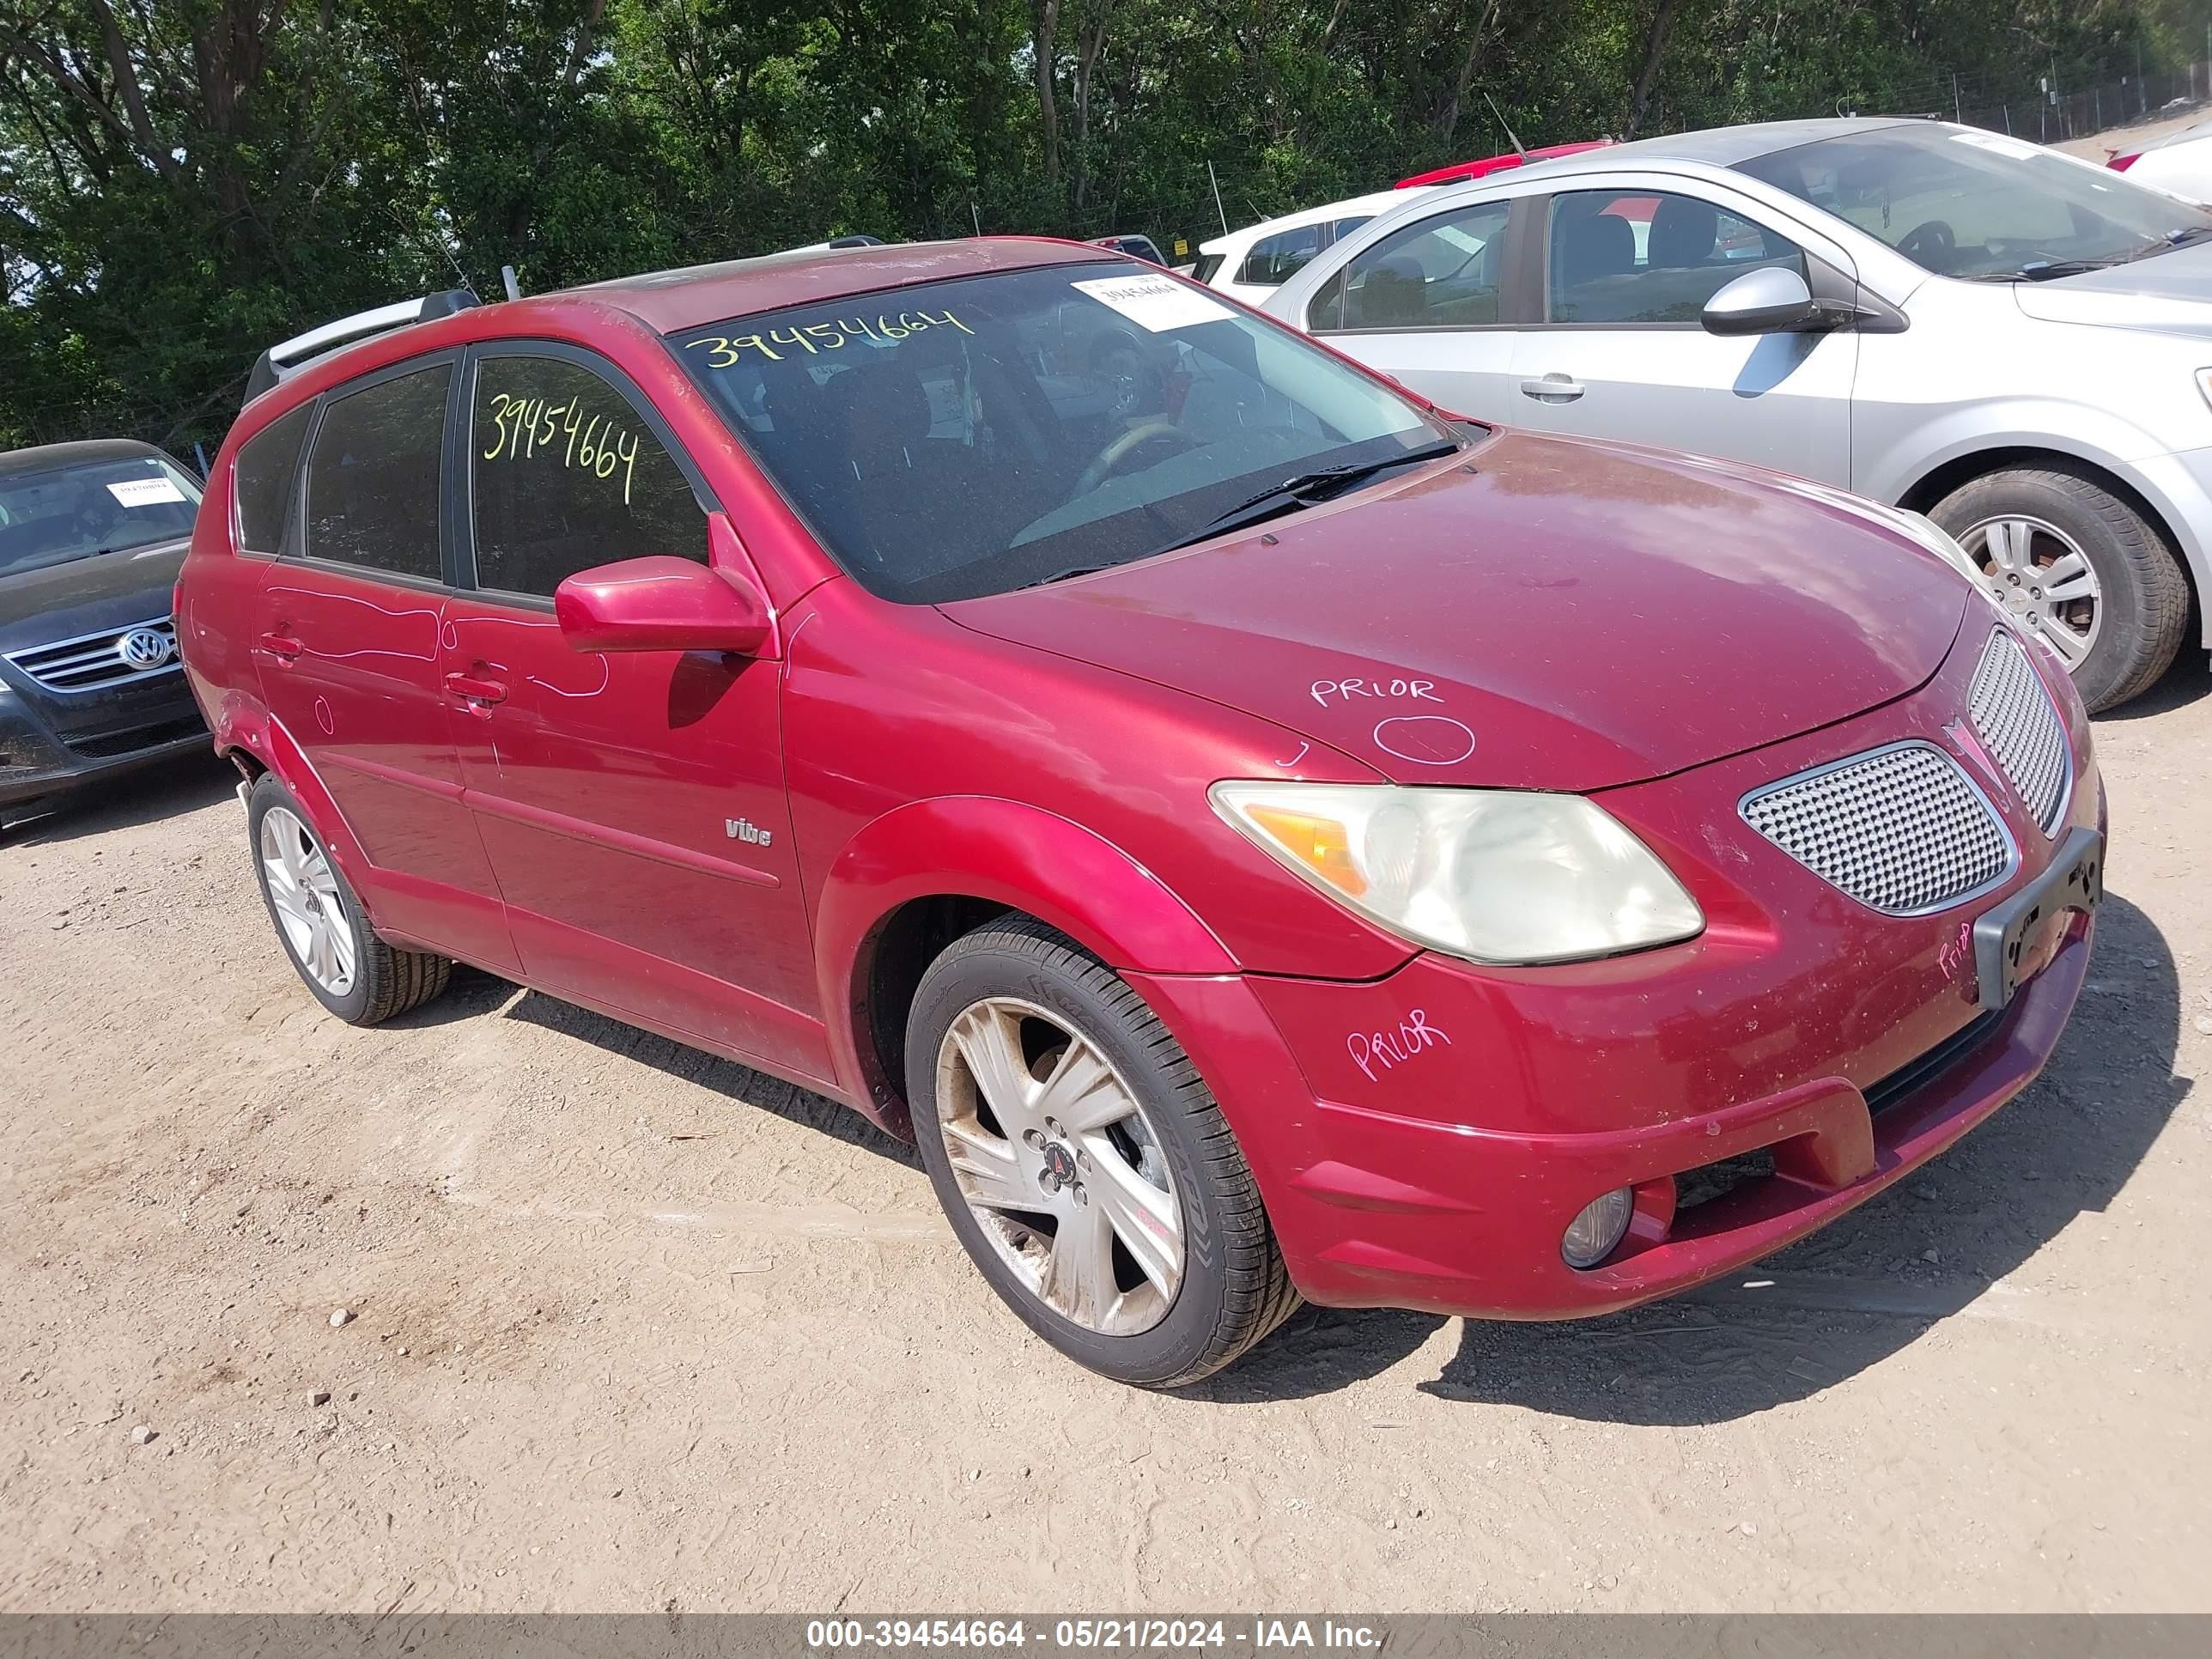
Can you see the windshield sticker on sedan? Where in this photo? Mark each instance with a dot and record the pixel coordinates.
(1155, 303)
(144, 492)
(1997, 143)
(529, 427)
(725, 351)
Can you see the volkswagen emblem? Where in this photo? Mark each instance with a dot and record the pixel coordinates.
(144, 649)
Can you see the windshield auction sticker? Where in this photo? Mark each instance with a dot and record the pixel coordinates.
(1156, 303)
(144, 492)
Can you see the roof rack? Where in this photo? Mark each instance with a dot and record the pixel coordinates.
(280, 362)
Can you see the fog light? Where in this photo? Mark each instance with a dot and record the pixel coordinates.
(1591, 1236)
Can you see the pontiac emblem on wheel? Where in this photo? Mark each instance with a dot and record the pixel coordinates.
(144, 649)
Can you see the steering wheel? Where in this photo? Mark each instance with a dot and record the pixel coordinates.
(1108, 461)
(1937, 246)
(96, 520)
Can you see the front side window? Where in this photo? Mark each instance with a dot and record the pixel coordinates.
(1978, 204)
(373, 478)
(952, 438)
(67, 511)
(1625, 256)
(267, 464)
(1275, 259)
(1443, 272)
(564, 476)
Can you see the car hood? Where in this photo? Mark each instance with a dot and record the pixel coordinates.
(1542, 613)
(110, 589)
(2170, 293)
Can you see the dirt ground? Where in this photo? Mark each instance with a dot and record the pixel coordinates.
(634, 1329)
(2101, 147)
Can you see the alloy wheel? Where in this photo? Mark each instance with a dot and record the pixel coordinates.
(1060, 1166)
(2042, 578)
(303, 890)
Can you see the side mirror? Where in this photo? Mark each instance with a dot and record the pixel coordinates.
(1769, 301)
(661, 603)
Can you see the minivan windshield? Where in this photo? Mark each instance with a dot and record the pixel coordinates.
(1966, 203)
(51, 515)
(949, 440)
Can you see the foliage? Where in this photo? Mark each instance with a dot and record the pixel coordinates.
(183, 181)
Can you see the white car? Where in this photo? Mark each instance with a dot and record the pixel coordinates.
(2180, 163)
(2014, 342)
(1249, 264)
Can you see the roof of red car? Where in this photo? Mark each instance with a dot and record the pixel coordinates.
(671, 300)
(1458, 172)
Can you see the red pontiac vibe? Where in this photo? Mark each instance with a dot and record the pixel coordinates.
(1261, 835)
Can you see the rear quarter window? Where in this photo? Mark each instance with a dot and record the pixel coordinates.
(267, 464)
(373, 478)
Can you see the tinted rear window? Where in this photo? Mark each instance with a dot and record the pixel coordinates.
(373, 479)
(268, 462)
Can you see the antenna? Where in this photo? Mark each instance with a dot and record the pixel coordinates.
(506, 276)
(1509, 133)
(445, 250)
(1217, 207)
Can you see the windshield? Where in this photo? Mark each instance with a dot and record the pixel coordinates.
(1976, 204)
(74, 512)
(949, 440)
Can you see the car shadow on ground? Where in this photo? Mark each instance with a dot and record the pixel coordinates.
(746, 1088)
(161, 790)
(1850, 1295)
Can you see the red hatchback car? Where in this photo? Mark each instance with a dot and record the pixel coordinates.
(1261, 835)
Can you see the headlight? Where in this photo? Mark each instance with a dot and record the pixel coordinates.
(1495, 876)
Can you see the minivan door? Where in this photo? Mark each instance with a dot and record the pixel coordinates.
(347, 647)
(633, 802)
(1619, 352)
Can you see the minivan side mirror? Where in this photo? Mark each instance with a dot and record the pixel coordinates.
(661, 603)
(1770, 301)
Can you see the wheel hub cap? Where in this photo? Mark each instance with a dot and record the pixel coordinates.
(303, 892)
(2042, 579)
(1060, 1166)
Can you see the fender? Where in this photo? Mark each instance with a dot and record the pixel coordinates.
(1006, 853)
(240, 723)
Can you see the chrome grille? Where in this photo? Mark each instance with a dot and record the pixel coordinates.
(2020, 726)
(1901, 829)
(92, 662)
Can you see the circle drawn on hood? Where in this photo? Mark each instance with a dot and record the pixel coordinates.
(1425, 739)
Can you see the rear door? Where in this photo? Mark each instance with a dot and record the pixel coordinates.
(1431, 306)
(349, 655)
(1619, 351)
(633, 803)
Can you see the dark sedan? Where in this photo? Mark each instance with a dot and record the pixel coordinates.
(91, 537)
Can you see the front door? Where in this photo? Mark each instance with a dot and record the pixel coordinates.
(1620, 354)
(633, 803)
(1425, 305)
(348, 649)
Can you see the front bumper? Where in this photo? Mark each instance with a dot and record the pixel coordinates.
(34, 762)
(1423, 1140)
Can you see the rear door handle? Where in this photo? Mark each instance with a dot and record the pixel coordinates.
(281, 647)
(470, 689)
(1554, 388)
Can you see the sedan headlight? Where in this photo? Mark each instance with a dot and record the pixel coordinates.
(1495, 876)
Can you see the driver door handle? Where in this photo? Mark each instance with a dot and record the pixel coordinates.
(470, 689)
(281, 647)
(1554, 388)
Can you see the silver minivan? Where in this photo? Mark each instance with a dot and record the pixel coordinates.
(2014, 342)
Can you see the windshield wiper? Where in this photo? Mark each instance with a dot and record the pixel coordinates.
(2042, 270)
(2182, 236)
(1302, 490)
(1070, 573)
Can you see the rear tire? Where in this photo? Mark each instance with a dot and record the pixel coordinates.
(1100, 1138)
(320, 922)
(2141, 609)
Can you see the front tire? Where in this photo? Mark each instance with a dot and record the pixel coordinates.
(320, 921)
(2081, 568)
(1084, 1162)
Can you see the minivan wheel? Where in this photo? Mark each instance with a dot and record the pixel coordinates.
(321, 924)
(2080, 568)
(1085, 1164)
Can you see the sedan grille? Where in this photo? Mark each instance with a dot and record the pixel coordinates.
(2019, 726)
(92, 662)
(1901, 829)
